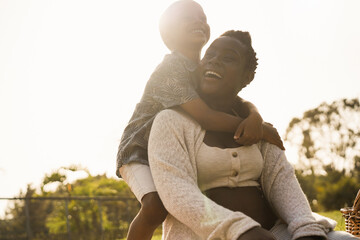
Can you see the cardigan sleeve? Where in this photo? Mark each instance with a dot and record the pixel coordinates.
(172, 148)
(284, 193)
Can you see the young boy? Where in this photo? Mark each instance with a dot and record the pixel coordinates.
(184, 30)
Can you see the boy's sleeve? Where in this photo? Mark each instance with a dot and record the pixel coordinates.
(171, 85)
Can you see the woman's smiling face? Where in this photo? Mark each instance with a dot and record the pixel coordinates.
(223, 68)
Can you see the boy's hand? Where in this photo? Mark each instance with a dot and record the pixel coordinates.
(250, 130)
(271, 135)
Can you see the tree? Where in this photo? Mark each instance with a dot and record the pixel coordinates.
(328, 142)
(85, 216)
(327, 135)
(97, 217)
(16, 217)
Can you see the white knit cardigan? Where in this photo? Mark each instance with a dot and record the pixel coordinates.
(174, 141)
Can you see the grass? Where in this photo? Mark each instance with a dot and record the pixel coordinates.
(156, 237)
(157, 234)
(336, 215)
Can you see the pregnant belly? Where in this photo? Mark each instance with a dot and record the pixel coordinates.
(248, 200)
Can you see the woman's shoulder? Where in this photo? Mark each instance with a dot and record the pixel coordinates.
(176, 125)
(269, 151)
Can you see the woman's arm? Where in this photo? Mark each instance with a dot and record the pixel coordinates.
(284, 193)
(173, 143)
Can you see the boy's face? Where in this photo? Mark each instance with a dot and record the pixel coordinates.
(190, 26)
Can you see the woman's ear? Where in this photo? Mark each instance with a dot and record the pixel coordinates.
(246, 80)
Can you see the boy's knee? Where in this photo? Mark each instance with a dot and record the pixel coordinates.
(152, 208)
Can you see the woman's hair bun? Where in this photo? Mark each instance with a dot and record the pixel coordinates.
(245, 39)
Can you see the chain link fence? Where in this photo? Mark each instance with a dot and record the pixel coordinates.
(68, 218)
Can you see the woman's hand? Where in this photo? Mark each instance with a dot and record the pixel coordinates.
(272, 136)
(257, 233)
(250, 130)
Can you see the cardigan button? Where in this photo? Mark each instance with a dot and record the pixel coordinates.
(234, 154)
(234, 173)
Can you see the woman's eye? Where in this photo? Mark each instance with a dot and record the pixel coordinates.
(208, 55)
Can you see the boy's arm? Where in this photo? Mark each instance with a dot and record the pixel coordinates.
(251, 129)
(210, 119)
(247, 130)
(253, 124)
(247, 107)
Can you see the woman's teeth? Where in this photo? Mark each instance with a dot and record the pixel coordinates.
(212, 74)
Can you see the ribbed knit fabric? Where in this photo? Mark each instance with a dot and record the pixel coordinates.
(173, 145)
(281, 232)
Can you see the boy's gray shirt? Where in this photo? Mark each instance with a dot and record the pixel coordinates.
(171, 84)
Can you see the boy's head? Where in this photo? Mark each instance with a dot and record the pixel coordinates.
(184, 25)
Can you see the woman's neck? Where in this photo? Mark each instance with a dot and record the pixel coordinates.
(220, 104)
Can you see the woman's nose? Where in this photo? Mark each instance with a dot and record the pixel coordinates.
(214, 60)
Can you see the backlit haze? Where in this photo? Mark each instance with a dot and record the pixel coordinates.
(72, 71)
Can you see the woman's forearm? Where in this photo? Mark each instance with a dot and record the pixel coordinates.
(286, 196)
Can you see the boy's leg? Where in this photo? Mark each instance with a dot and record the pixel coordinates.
(152, 212)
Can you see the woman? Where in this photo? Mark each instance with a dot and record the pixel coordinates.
(216, 189)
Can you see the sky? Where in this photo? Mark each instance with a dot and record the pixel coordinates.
(72, 71)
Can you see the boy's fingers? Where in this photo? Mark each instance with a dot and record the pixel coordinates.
(246, 140)
(239, 141)
(239, 132)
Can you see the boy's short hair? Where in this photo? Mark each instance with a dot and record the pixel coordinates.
(167, 22)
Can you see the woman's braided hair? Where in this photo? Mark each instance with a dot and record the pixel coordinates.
(245, 39)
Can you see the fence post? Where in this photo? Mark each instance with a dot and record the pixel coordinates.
(67, 218)
(28, 227)
(101, 223)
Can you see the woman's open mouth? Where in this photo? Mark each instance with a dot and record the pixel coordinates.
(212, 75)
